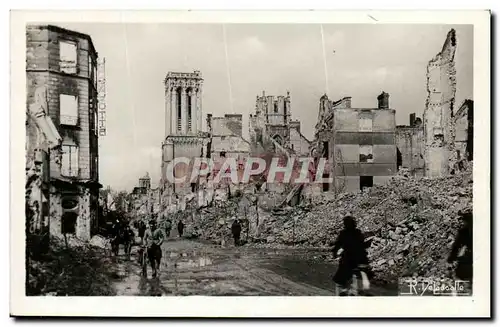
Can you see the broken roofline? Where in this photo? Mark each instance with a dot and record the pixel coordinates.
(296, 170)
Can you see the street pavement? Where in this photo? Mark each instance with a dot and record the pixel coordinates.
(194, 268)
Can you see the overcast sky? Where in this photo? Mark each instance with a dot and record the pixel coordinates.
(361, 61)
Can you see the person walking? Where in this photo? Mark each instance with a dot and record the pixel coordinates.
(463, 241)
(168, 227)
(180, 227)
(141, 229)
(236, 230)
(153, 239)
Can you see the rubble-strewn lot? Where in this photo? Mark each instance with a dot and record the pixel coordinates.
(413, 222)
(78, 270)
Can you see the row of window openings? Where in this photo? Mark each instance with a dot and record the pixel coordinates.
(365, 152)
(179, 112)
(68, 59)
(364, 182)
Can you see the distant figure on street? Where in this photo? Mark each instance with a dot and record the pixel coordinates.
(463, 241)
(141, 230)
(354, 255)
(128, 239)
(236, 229)
(168, 227)
(180, 227)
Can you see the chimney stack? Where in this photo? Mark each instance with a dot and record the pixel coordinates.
(383, 100)
(412, 119)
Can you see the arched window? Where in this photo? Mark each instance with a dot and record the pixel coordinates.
(179, 109)
(189, 108)
(278, 139)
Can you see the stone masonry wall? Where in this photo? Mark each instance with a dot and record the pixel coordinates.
(439, 151)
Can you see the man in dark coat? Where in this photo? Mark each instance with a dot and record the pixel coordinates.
(463, 240)
(141, 229)
(168, 227)
(236, 230)
(354, 254)
(180, 227)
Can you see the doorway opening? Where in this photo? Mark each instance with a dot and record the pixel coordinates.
(365, 181)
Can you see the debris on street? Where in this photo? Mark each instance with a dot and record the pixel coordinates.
(71, 271)
(411, 221)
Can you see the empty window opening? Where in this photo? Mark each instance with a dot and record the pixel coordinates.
(68, 109)
(179, 109)
(326, 150)
(189, 110)
(67, 57)
(326, 185)
(275, 108)
(399, 158)
(193, 187)
(365, 182)
(223, 154)
(366, 153)
(68, 225)
(365, 122)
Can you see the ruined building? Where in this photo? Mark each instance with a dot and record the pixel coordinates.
(358, 143)
(272, 127)
(226, 141)
(42, 139)
(410, 146)
(61, 73)
(144, 200)
(439, 138)
(184, 138)
(183, 135)
(433, 147)
(464, 131)
(227, 137)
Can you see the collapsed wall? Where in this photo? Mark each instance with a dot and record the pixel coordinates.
(439, 153)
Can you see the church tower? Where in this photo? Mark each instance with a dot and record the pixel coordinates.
(183, 113)
(183, 126)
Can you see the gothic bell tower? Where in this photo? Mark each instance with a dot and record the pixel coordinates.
(183, 111)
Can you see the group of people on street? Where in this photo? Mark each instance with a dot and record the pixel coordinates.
(152, 238)
(353, 258)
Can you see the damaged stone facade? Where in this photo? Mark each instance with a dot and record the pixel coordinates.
(410, 146)
(439, 134)
(145, 201)
(271, 127)
(359, 144)
(42, 139)
(464, 131)
(185, 138)
(64, 63)
(183, 135)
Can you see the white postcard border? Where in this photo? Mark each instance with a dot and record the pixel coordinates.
(205, 306)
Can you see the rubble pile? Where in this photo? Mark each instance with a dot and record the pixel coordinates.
(76, 270)
(412, 221)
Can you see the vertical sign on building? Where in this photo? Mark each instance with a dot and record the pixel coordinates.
(101, 96)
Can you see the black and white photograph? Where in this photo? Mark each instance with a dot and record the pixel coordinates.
(245, 159)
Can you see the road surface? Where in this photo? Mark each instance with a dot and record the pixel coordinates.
(194, 268)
